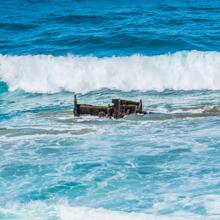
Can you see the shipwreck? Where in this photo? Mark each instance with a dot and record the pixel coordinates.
(118, 109)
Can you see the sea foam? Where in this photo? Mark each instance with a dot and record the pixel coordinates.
(192, 70)
(43, 211)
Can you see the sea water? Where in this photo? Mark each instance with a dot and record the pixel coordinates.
(164, 165)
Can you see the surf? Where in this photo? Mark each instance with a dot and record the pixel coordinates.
(192, 70)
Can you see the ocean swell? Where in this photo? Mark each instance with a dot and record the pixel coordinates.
(192, 70)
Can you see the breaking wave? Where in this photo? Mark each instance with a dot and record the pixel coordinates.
(192, 70)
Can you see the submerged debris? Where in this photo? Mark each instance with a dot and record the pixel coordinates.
(118, 109)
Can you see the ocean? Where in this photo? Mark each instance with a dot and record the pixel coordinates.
(54, 166)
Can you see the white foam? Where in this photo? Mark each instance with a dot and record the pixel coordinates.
(43, 211)
(84, 213)
(48, 74)
(213, 205)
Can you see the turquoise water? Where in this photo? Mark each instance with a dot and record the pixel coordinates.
(160, 165)
(164, 165)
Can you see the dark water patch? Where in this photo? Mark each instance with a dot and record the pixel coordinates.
(17, 26)
(186, 22)
(83, 40)
(68, 189)
(147, 170)
(35, 110)
(156, 116)
(4, 41)
(15, 132)
(135, 93)
(3, 87)
(86, 167)
(48, 151)
(168, 8)
(17, 170)
(79, 19)
(125, 13)
(205, 9)
(155, 160)
(179, 151)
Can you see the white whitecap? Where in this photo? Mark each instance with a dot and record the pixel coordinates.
(192, 70)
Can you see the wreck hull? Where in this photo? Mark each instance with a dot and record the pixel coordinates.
(119, 109)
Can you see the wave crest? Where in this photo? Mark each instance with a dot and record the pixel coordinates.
(192, 70)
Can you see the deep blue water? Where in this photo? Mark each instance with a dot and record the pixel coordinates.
(164, 165)
(107, 28)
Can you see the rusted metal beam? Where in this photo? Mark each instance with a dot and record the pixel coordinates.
(119, 109)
